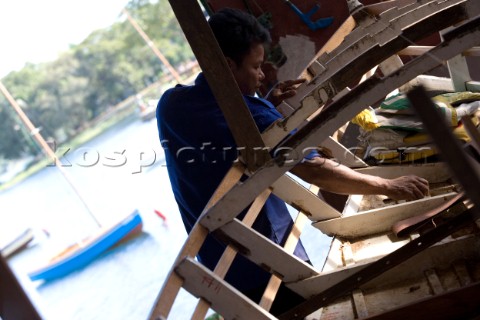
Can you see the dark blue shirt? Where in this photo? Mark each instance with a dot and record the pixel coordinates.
(199, 150)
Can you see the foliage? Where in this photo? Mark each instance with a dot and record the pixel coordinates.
(61, 97)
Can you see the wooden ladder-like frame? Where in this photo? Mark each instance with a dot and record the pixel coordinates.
(372, 36)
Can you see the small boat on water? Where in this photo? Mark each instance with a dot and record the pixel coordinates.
(82, 253)
(11, 244)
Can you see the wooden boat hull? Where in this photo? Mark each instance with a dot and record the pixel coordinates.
(81, 254)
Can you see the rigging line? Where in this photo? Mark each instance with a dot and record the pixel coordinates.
(44, 145)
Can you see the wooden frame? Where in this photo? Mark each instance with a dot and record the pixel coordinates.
(373, 41)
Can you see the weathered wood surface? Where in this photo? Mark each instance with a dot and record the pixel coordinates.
(332, 76)
(379, 220)
(225, 299)
(221, 80)
(230, 252)
(341, 111)
(265, 253)
(299, 197)
(362, 50)
(164, 302)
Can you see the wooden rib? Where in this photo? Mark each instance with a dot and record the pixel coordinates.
(164, 302)
(265, 253)
(435, 256)
(289, 247)
(380, 219)
(225, 299)
(354, 58)
(229, 254)
(419, 50)
(299, 197)
(327, 121)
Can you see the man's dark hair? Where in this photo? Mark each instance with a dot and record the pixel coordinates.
(236, 31)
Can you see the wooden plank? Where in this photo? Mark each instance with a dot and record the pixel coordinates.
(354, 58)
(379, 220)
(419, 50)
(432, 172)
(463, 167)
(473, 86)
(289, 247)
(455, 304)
(229, 254)
(439, 255)
(221, 80)
(379, 267)
(225, 299)
(432, 83)
(341, 111)
(164, 301)
(359, 303)
(299, 197)
(265, 253)
(342, 155)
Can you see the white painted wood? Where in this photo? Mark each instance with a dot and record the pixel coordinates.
(433, 83)
(433, 172)
(352, 205)
(321, 127)
(440, 255)
(299, 197)
(473, 86)
(265, 253)
(379, 220)
(419, 50)
(342, 155)
(224, 298)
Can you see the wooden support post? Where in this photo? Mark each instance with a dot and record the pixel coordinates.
(220, 78)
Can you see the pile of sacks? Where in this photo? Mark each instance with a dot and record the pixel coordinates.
(392, 133)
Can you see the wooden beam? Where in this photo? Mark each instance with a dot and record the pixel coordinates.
(225, 299)
(419, 50)
(230, 252)
(299, 197)
(265, 253)
(439, 255)
(341, 111)
(221, 81)
(380, 219)
(164, 302)
(459, 303)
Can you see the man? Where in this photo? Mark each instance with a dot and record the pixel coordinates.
(200, 149)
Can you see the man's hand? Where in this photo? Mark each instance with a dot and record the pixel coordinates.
(283, 90)
(407, 187)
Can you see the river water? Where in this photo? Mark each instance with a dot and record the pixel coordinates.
(114, 174)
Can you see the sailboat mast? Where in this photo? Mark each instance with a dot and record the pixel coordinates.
(44, 145)
(152, 46)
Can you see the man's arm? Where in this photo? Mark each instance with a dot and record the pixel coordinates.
(336, 178)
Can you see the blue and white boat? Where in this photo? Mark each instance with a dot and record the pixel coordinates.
(82, 253)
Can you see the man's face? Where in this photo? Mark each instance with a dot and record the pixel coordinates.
(249, 74)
